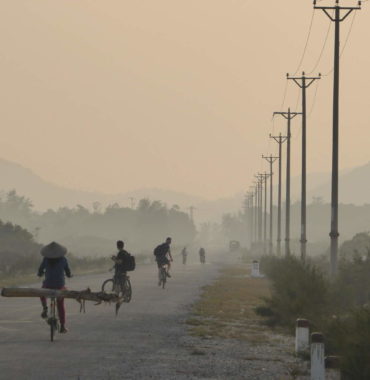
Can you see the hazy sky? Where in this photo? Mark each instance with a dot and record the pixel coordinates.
(178, 94)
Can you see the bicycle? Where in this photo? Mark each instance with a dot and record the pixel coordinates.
(52, 320)
(162, 274)
(119, 284)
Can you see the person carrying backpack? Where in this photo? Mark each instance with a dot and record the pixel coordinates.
(122, 261)
(163, 255)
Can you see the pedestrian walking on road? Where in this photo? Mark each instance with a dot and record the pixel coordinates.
(184, 254)
(202, 255)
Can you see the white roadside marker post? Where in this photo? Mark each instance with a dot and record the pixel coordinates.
(255, 269)
(317, 357)
(332, 365)
(302, 336)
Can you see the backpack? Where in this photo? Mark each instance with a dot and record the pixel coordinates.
(130, 263)
(158, 250)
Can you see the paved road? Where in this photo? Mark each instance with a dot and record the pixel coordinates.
(143, 342)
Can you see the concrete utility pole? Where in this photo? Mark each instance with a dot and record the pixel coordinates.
(250, 196)
(251, 216)
(132, 202)
(270, 159)
(280, 140)
(337, 18)
(288, 116)
(256, 204)
(191, 213)
(260, 202)
(264, 177)
(303, 82)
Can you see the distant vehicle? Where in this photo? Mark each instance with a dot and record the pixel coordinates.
(234, 245)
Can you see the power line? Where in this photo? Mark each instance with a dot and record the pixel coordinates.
(284, 95)
(314, 99)
(345, 42)
(298, 98)
(322, 49)
(306, 44)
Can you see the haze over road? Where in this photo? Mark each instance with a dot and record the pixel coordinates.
(142, 342)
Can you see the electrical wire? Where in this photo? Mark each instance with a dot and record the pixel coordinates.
(306, 44)
(322, 49)
(298, 99)
(284, 94)
(349, 32)
(314, 99)
(345, 42)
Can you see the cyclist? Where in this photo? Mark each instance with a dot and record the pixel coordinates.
(54, 266)
(120, 259)
(202, 255)
(184, 254)
(163, 255)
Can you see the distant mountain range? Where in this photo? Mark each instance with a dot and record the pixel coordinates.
(354, 188)
(45, 195)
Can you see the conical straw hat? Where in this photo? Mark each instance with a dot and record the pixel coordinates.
(53, 250)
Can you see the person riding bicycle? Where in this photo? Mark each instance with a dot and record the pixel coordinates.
(202, 255)
(54, 265)
(120, 267)
(163, 255)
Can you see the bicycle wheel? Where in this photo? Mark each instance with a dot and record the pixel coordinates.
(127, 294)
(52, 321)
(108, 286)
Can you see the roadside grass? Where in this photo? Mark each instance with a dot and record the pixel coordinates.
(78, 265)
(25, 279)
(226, 308)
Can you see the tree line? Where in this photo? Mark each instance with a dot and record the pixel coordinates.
(94, 232)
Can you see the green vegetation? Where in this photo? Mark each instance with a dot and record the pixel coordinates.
(93, 232)
(20, 257)
(297, 290)
(353, 219)
(339, 308)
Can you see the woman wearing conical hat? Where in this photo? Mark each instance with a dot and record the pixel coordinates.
(54, 266)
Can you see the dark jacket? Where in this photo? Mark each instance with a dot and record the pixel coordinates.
(161, 251)
(122, 267)
(54, 270)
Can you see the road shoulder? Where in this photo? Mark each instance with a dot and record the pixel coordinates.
(228, 340)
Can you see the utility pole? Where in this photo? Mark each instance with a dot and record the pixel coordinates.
(251, 218)
(270, 159)
(303, 82)
(264, 177)
(256, 212)
(260, 202)
(337, 18)
(191, 213)
(280, 140)
(132, 202)
(288, 116)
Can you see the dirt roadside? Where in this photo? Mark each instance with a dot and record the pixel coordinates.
(224, 326)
